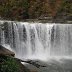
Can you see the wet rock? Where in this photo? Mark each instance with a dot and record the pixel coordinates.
(4, 51)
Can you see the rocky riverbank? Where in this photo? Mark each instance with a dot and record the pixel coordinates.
(8, 63)
(52, 65)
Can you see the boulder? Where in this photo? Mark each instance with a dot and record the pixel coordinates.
(4, 51)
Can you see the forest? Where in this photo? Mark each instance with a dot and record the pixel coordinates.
(35, 9)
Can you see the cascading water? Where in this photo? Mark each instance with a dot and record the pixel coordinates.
(36, 40)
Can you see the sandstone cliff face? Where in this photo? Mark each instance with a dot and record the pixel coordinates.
(4, 51)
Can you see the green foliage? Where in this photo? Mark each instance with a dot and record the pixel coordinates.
(52, 1)
(66, 7)
(38, 8)
(14, 9)
(25, 9)
(8, 64)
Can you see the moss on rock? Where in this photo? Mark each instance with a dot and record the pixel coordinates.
(9, 64)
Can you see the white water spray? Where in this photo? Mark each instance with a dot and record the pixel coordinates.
(37, 40)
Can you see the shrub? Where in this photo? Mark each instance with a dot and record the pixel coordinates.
(8, 64)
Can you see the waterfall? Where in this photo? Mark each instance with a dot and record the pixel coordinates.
(36, 40)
